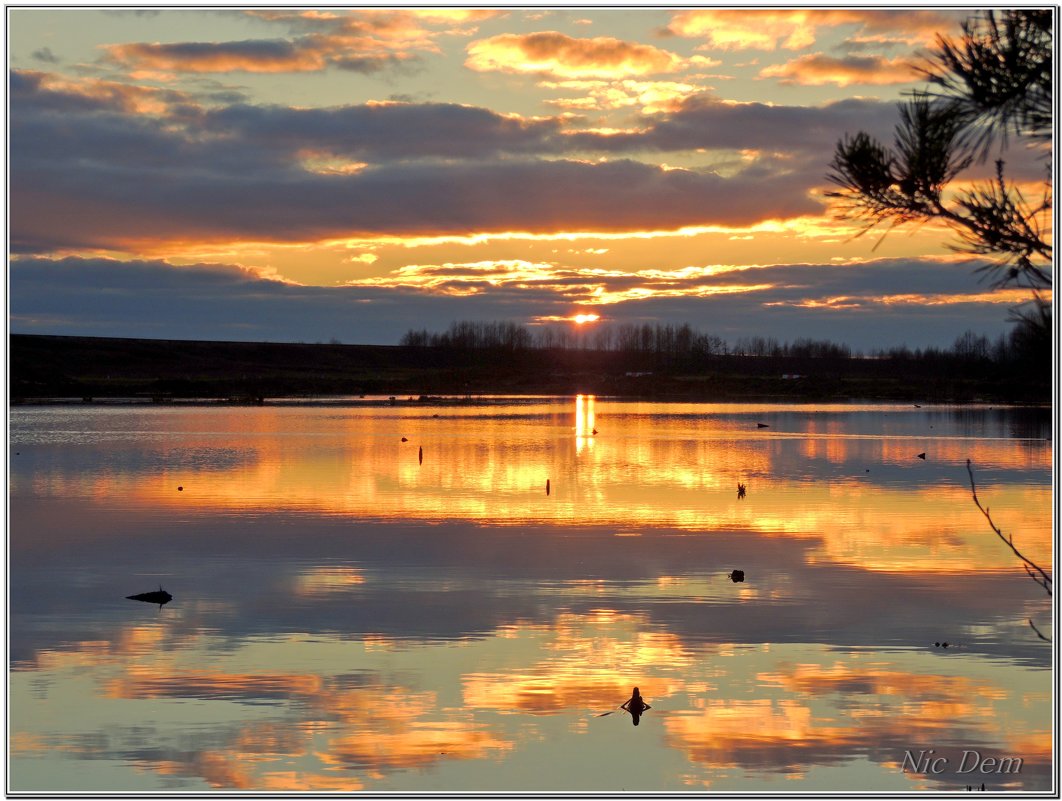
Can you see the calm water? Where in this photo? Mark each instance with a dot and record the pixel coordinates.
(347, 616)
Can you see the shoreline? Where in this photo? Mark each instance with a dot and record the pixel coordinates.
(55, 369)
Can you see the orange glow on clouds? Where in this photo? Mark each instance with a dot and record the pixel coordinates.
(794, 29)
(818, 69)
(554, 53)
(652, 97)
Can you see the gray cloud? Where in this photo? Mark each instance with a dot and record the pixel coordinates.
(389, 131)
(704, 121)
(46, 55)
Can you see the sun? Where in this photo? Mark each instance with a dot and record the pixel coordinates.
(582, 319)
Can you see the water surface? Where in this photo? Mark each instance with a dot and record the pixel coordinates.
(352, 611)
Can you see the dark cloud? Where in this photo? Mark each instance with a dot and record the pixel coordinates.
(154, 299)
(808, 132)
(115, 178)
(109, 165)
(387, 131)
(46, 55)
(109, 207)
(704, 121)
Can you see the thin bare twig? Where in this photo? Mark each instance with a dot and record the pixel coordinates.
(1038, 634)
(1042, 579)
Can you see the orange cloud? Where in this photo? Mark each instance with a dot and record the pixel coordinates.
(817, 69)
(587, 285)
(788, 735)
(397, 728)
(652, 97)
(591, 658)
(764, 29)
(568, 57)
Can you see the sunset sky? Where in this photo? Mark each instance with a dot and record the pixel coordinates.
(304, 175)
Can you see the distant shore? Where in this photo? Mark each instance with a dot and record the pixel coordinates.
(88, 369)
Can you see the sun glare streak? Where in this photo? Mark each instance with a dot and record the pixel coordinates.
(585, 419)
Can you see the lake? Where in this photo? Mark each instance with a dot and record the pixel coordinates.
(355, 612)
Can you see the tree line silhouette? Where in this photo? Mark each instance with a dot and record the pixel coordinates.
(673, 343)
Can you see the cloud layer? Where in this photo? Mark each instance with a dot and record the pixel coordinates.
(868, 305)
(118, 179)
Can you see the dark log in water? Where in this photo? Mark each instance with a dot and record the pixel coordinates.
(159, 596)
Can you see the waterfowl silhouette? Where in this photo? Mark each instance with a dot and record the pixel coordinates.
(922, 456)
(741, 491)
(762, 425)
(636, 706)
(736, 575)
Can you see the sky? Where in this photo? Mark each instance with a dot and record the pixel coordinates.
(310, 175)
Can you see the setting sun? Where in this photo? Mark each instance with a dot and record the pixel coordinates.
(580, 319)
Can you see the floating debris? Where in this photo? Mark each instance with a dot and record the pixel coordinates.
(736, 576)
(547, 486)
(159, 596)
(404, 439)
(762, 425)
(420, 456)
